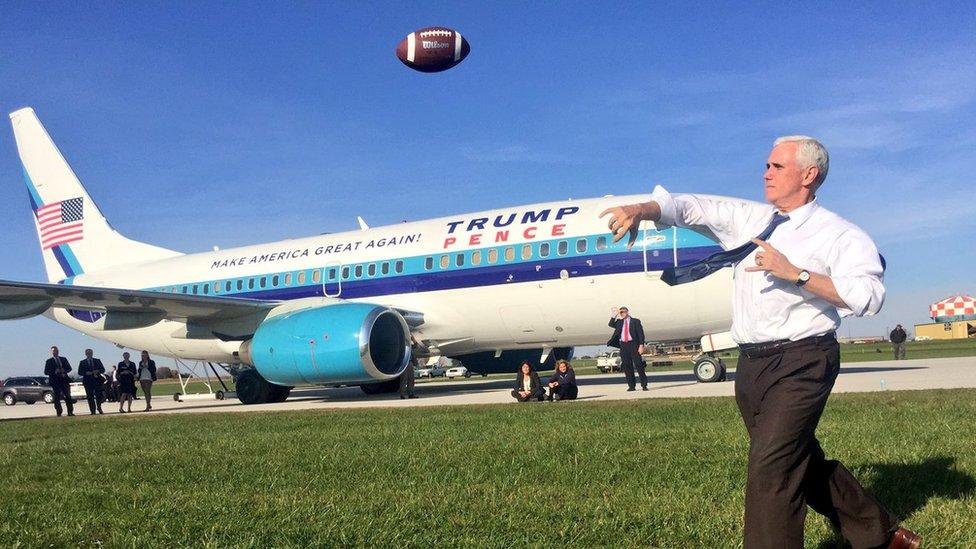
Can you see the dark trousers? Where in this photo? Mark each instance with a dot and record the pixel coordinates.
(533, 396)
(563, 392)
(630, 359)
(61, 391)
(95, 396)
(781, 398)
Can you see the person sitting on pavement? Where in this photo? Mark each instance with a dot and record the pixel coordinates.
(562, 384)
(527, 384)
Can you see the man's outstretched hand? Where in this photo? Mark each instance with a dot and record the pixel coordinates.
(624, 220)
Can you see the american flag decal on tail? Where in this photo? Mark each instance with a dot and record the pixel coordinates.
(61, 222)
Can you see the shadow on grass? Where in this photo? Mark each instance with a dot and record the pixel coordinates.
(905, 488)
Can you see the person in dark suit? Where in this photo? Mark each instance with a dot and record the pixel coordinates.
(527, 384)
(146, 376)
(562, 384)
(628, 336)
(56, 369)
(93, 378)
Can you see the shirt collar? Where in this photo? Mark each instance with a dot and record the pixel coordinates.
(800, 215)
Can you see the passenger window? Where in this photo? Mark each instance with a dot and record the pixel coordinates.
(429, 263)
(385, 268)
(301, 278)
(359, 271)
(581, 246)
(459, 260)
(240, 284)
(206, 288)
(510, 254)
(316, 276)
(184, 289)
(544, 249)
(345, 273)
(250, 284)
(492, 256)
(332, 273)
(563, 247)
(194, 289)
(527, 251)
(601, 243)
(476, 257)
(398, 267)
(216, 287)
(287, 279)
(264, 282)
(274, 281)
(371, 270)
(445, 261)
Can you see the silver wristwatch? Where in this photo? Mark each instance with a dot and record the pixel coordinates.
(802, 278)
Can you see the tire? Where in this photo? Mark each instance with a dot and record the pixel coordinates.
(467, 374)
(252, 388)
(709, 369)
(48, 397)
(219, 395)
(278, 393)
(383, 387)
(9, 399)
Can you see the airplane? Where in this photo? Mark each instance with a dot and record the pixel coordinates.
(490, 288)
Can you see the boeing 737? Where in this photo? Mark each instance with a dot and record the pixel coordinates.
(488, 288)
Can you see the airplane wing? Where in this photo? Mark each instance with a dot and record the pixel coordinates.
(26, 299)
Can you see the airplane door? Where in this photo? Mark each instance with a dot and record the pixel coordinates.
(332, 279)
(657, 253)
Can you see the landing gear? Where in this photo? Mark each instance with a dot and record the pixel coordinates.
(709, 369)
(254, 389)
(382, 387)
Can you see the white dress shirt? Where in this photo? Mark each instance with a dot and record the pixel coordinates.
(766, 308)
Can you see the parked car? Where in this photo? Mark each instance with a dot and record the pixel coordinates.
(457, 371)
(431, 371)
(609, 362)
(30, 389)
(26, 389)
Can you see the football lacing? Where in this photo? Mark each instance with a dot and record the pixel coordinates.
(435, 32)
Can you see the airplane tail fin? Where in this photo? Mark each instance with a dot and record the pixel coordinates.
(74, 236)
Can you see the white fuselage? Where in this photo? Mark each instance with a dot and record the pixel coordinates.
(537, 276)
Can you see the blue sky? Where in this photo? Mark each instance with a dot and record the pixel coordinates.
(198, 125)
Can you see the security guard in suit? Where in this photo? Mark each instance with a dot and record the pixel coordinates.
(93, 377)
(628, 336)
(56, 369)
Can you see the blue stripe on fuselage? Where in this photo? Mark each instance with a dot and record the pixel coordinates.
(491, 275)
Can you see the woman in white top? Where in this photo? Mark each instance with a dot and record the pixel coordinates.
(146, 375)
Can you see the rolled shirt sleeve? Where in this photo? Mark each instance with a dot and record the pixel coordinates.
(855, 269)
(730, 221)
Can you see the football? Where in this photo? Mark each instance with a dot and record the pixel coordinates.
(433, 49)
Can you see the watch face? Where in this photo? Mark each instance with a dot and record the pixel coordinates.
(804, 276)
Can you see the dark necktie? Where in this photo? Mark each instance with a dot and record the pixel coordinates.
(672, 276)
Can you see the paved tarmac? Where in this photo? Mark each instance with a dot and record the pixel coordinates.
(859, 377)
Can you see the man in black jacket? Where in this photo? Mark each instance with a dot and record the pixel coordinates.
(93, 377)
(898, 337)
(628, 336)
(56, 369)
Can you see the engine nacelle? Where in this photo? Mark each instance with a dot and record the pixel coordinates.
(342, 343)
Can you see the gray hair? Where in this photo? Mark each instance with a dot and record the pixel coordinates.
(809, 152)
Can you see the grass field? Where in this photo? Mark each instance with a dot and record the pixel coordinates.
(659, 473)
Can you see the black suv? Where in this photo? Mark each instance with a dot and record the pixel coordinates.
(27, 389)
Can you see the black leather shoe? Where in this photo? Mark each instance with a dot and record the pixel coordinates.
(644, 388)
(629, 389)
(413, 396)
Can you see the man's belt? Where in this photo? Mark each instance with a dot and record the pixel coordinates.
(770, 348)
